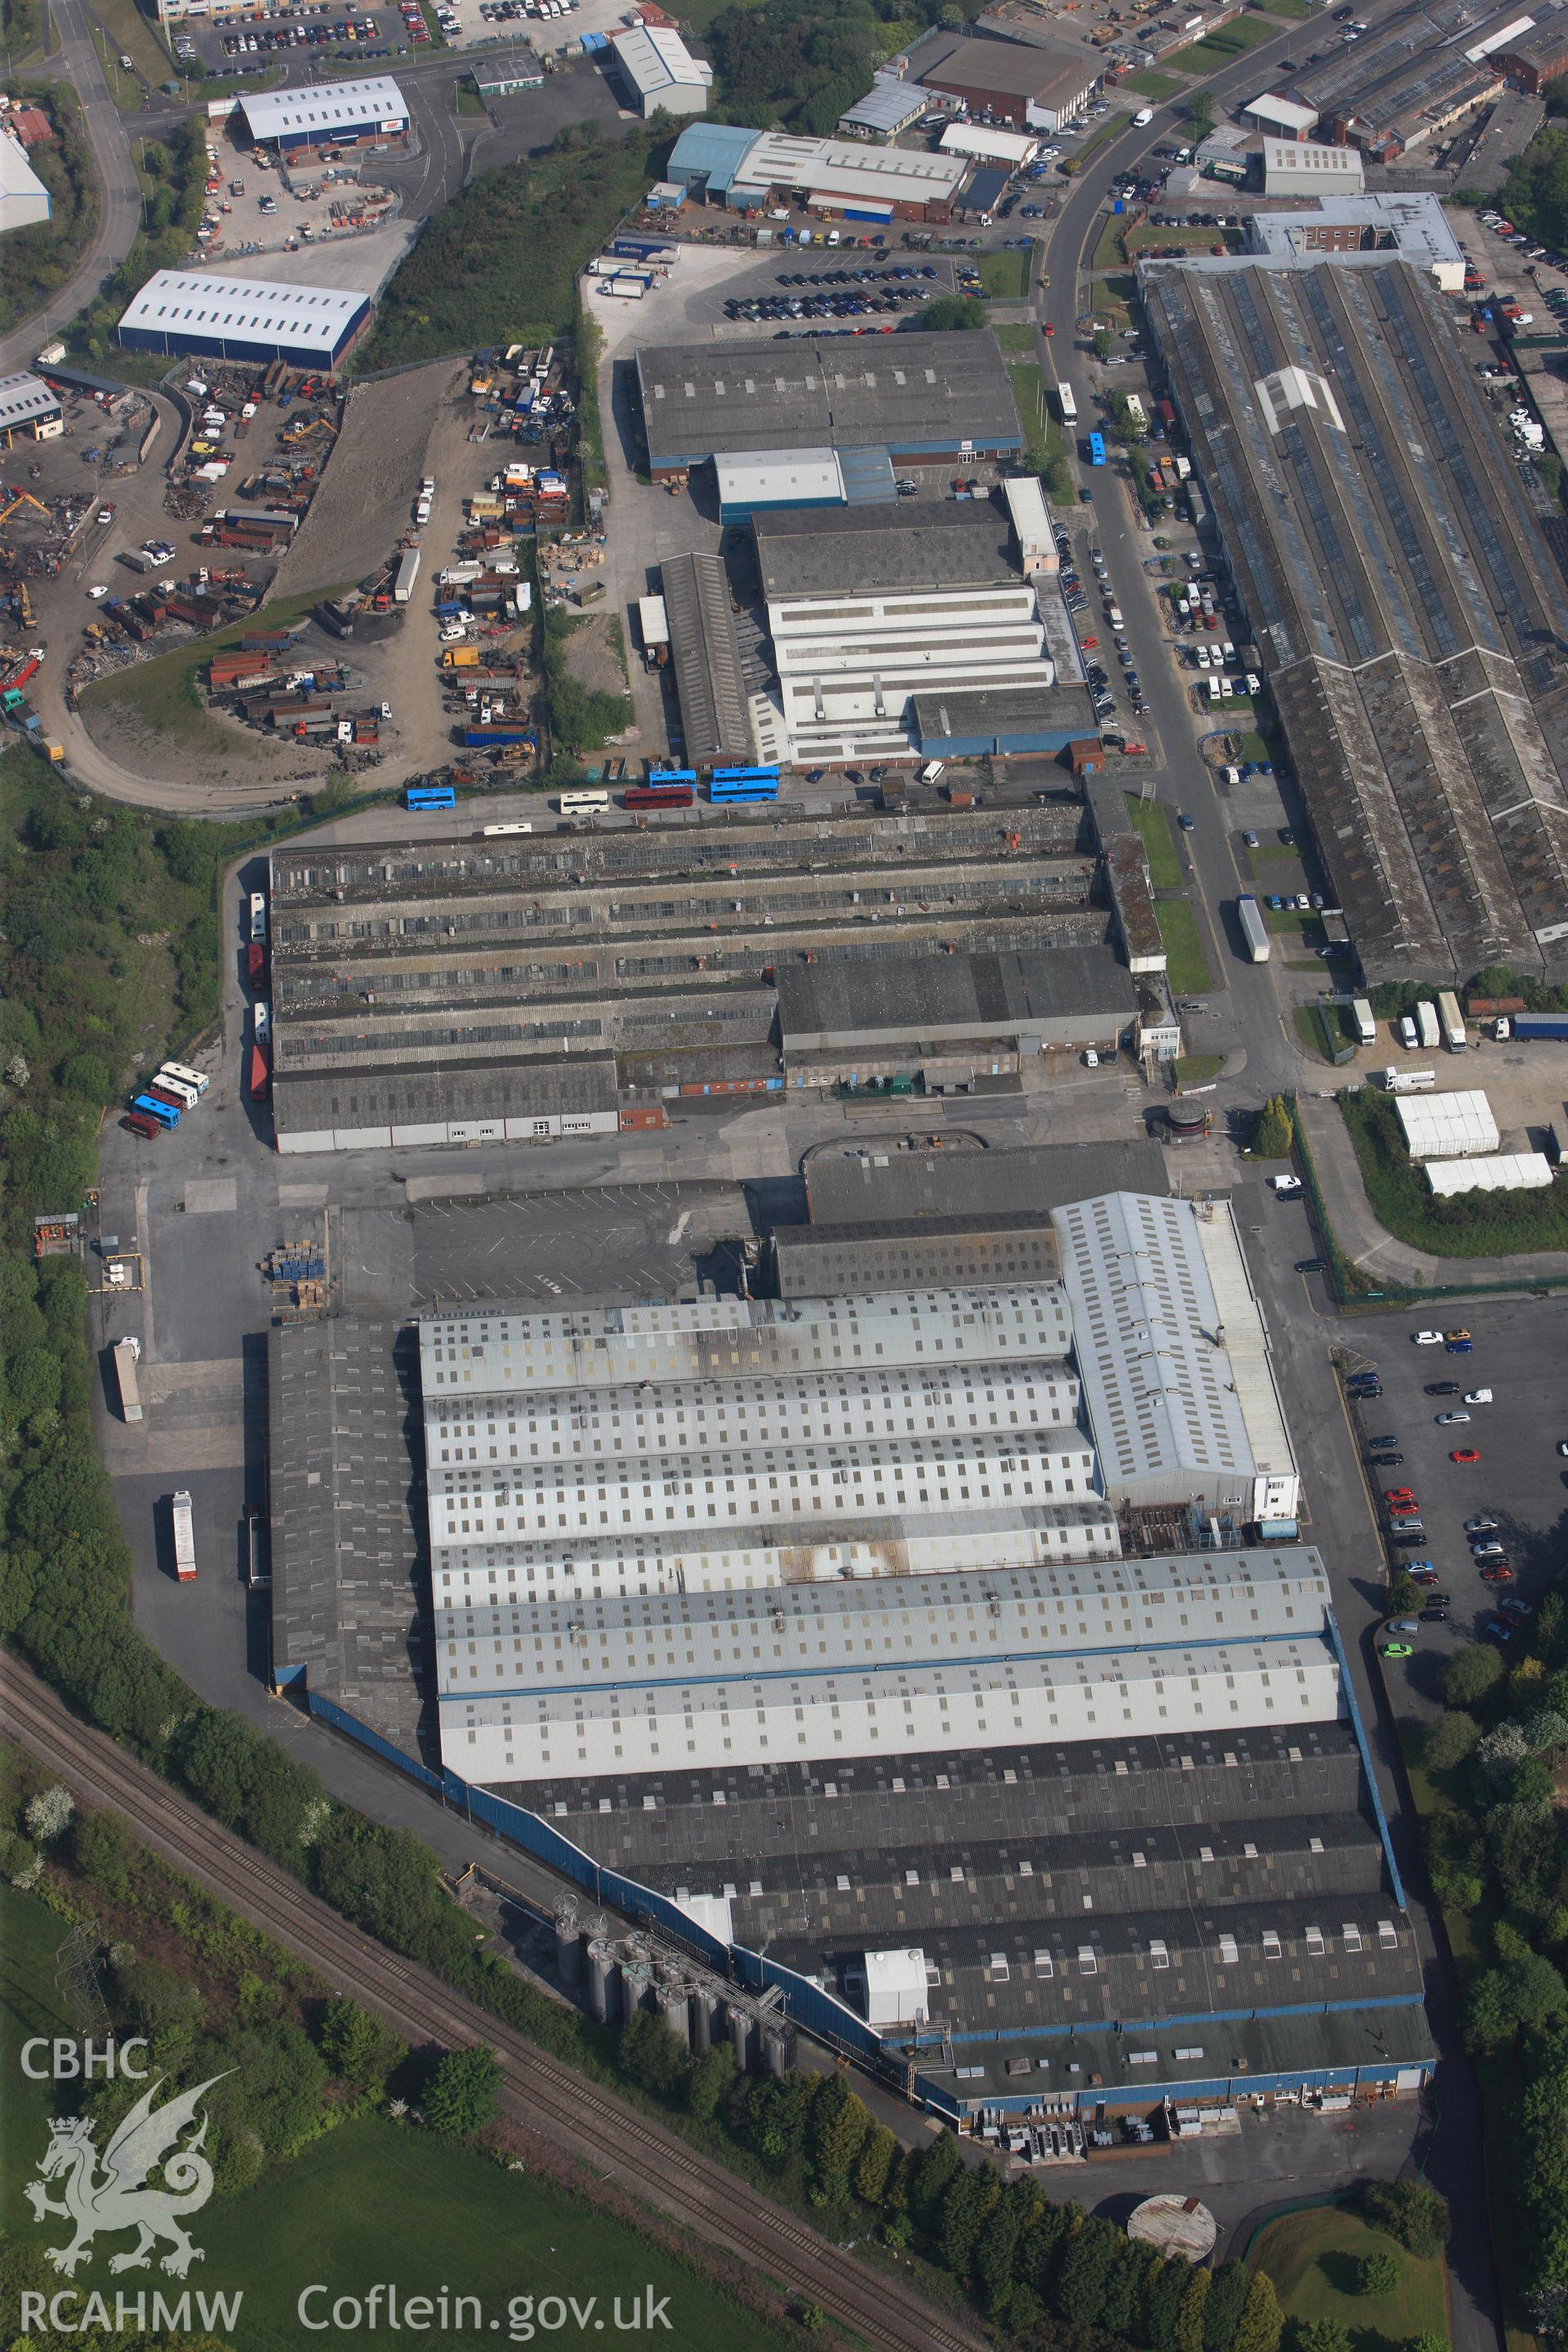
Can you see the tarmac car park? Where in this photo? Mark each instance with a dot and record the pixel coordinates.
(834, 294)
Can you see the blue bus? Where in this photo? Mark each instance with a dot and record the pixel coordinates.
(430, 796)
(669, 779)
(1097, 448)
(728, 784)
(166, 1114)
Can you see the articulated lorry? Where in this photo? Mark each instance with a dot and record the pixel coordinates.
(127, 1356)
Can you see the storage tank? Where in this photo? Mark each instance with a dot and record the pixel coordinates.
(569, 1953)
(704, 2018)
(743, 2040)
(674, 2009)
(1175, 2224)
(603, 1983)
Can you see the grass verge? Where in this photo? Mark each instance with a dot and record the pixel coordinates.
(1109, 251)
(1196, 1069)
(1295, 9)
(31, 1934)
(163, 693)
(1156, 85)
(1473, 1225)
(1313, 2259)
(371, 2187)
(1113, 125)
(130, 34)
(1005, 276)
(1015, 337)
(1224, 46)
(1187, 966)
(1153, 820)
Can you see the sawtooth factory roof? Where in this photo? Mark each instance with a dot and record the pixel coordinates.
(1411, 623)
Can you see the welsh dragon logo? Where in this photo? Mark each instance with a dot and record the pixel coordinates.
(114, 2195)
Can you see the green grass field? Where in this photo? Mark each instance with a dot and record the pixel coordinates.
(31, 1937)
(1035, 406)
(376, 2201)
(1153, 820)
(1015, 337)
(1197, 1069)
(1310, 2257)
(371, 2202)
(1109, 252)
(1156, 85)
(1223, 46)
(1187, 966)
(1294, 10)
(1005, 276)
(166, 693)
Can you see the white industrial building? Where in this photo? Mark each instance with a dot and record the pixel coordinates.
(1305, 167)
(870, 607)
(24, 199)
(1503, 1171)
(659, 71)
(243, 319)
(1032, 527)
(327, 114)
(28, 406)
(1458, 1125)
(843, 176)
(1170, 1344)
(1286, 118)
(985, 146)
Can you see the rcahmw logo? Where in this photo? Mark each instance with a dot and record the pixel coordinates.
(151, 2176)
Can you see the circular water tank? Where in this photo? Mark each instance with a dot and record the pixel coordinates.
(1176, 2225)
(1186, 1117)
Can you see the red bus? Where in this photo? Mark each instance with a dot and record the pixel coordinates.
(139, 1124)
(647, 796)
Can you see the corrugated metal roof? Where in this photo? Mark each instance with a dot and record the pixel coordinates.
(498, 1089)
(320, 110)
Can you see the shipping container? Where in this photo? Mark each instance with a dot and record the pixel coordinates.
(1254, 929)
(407, 573)
(1452, 1021)
(127, 1356)
(183, 1526)
(499, 731)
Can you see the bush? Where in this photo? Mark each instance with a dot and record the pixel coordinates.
(1449, 1740)
(1410, 2213)
(462, 2091)
(1376, 2274)
(1275, 1133)
(1472, 1675)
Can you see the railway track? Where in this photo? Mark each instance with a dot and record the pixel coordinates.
(538, 2091)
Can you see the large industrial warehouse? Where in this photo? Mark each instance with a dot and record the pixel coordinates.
(869, 606)
(1427, 66)
(917, 398)
(468, 990)
(932, 1641)
(1410, 618)
(248, 319)
(331, 114)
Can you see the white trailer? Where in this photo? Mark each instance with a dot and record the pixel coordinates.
(1254, 929)
(1399, 1081)
(1426, 1027)
(127, 1356)
(407, 573)
(185, 1537)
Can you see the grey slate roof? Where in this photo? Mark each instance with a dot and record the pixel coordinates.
(855, 551)
(933, 995)
(907, 390)
(705, 649)
(350, 1581)
(357, 1096)
(842, 1189)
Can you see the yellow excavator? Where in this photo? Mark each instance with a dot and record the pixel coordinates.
(24, 499)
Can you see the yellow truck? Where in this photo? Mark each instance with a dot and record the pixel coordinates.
(460, 657)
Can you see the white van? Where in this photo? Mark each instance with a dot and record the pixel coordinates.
(1408, 1035)
(1142, 119)
(931, 771)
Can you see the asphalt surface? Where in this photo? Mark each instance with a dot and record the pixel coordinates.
(76, 61)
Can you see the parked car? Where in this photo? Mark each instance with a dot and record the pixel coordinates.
(1442, 1388)
(1498, 1572)
(1312, 1266)
(1435, 1616)
(1481, 1525)
(1398, 1650)
(1428, 1338)
(1450, 1419)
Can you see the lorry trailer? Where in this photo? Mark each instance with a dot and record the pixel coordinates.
(1427, 1026)
(184, 1536)
(1452, 1021)
(127, 1356)
(407, 573)
(1540, 1024)
(1254, 929)
(1400, 1081)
